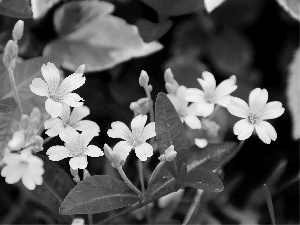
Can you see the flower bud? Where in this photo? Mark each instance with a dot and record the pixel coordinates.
(75, 175)
(18, 30)
(169, 155)
(115, 158)
(80, 69)
(35, 118)
(171, 88)
(17, 141)
(39, 141)
(201, 142)
(78, 221)
(25, 121)
(10, 55)
(169, 77)
(140, 107)
(144, 79)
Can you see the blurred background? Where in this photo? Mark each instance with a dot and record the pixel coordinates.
(256, 40)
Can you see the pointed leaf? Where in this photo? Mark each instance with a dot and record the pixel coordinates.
(97, 194)
(16, 8)
(56, 185)
(7, 105)
(170, 131)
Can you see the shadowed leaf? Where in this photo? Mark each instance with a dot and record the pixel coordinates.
(7, 105)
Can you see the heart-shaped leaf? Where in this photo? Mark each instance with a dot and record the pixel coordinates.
(7, 105)
(153, 31)
(97, 194)
(95, 38)
(55, 187)
(16, 8)
(170, 131)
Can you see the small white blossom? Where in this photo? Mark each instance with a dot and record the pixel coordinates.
(141, 106)
(56, 92)
(23, 166)
(76, 147)
(134, 139)
(201, 142)
(187, 113)
(169, 155)
(68, 120)
(255, 114)
(117, 160)
(211, 94)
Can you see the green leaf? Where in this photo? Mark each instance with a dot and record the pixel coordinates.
(16, 8)
(153, 31)
(97, 194)
(55, 187)
(90, 35)
(202, 165)
(170, 131)
(203, 179)
(167, 8)
(7, 105)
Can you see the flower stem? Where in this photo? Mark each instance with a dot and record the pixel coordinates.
(14, 89)
(128, 182)
(193, 207)
(148, 94)
(41, 127)
(90, 219)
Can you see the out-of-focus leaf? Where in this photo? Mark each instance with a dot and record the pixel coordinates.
(40, 8)
(186, 70)
(55, 187)
(170, 131)
(95, 38)
(7, 105)
(168, 8)
(269, 203)
(292, 7)
(231, 52)
(98, 194)
(293, 93)
(153, 31)
(16, 8)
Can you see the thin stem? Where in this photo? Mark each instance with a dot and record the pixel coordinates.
(128, 182)
(15, 92)
(47, 139)
(141, 175)
(150, 105)
(193, 207)
(41, 127)
(90, 219)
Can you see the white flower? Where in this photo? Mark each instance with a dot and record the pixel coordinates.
(210, 5)
(135, 139)
(169, 155)
(255, 114)
(211, 94)
(201, 142)
(23, 166)
(68, 120)
(55, 92)
(187, 113)
(76, 146)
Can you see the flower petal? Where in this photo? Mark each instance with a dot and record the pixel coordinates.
(257, 100)
(73, 100)
(86, 137)
(148, 132)
(28, 180)
(272, 110)
(138, 122)
(13, 173)
(246, 132)
(79, 113)
(224, 101)
(57, 153)
(71, 137)
(123, 148)
(205, 109)
(193, 122)
(120, 130)
(226, 87)
(84, 125)
(53, 108)
(238, 107)
(93, 151)
(51, 76)
(78, 162)
(240, 126)
(54, 126)
(195, 95)
(143, 151)
(266, 132)
(39, 87)
(71, 83)
(65, 113)
(208, 83)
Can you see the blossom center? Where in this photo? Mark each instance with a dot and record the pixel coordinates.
(209, 101)
(55, 97)
(252, 118)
